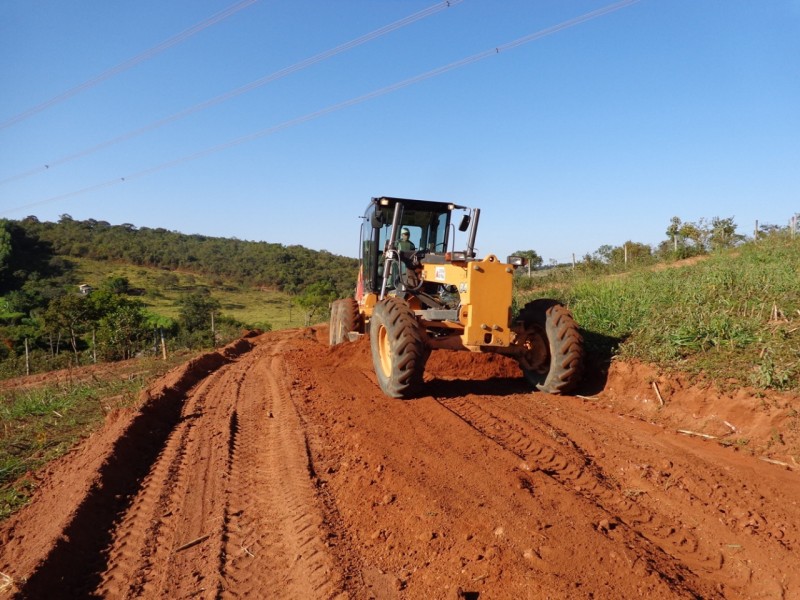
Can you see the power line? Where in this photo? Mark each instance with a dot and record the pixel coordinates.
(131, 62)
(347, 103)
(241, 90)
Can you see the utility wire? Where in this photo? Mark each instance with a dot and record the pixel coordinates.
(131, 62)
(336, 107)
(243, 89)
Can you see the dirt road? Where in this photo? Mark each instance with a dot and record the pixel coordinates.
(277, 469)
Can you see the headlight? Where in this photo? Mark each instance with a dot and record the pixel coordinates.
(516, 261)
(456, 256)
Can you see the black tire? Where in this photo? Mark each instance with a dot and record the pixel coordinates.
(398, 348)
(334, 335)
(349, 318)
(554, 360)
(344, 319)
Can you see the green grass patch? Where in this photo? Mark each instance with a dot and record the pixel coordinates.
(40, 424)
(734, 317)
(161, 289)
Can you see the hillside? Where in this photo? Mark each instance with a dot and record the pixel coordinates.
(258, 264)
(731, 319)
(74, 292)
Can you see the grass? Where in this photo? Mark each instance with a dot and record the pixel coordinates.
(734, 318)
(40, 424)
(253, 307)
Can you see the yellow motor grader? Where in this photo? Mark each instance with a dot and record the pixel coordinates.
(417, 293)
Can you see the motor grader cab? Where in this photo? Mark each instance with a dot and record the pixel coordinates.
(423, 291)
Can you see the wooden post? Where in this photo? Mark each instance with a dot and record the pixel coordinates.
(625, 247)
(213, 331)
(163, 345)
(27, 359)
(94, 346)
(573, 261)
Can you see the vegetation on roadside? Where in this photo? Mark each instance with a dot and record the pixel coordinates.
(733, 318)
(39, 424)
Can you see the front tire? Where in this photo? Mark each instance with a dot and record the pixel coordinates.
(398, 348)
(553, 359)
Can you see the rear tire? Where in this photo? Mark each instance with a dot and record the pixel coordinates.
(554, 357)
(333, 334)
(344, 319)
(398, 348)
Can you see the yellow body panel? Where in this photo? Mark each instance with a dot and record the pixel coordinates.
(485, 288)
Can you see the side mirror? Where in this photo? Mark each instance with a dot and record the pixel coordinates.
(464, 223)
(376, 220)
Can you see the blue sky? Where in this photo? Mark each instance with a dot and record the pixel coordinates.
(596, 134)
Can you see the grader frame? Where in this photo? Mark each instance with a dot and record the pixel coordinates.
(415, 300)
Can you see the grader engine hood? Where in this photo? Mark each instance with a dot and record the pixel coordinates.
(485, 289)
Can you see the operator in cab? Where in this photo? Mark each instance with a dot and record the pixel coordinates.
(405, 244)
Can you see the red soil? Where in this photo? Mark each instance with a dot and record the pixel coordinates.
(277, 469)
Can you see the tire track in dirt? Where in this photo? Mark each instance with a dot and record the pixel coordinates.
(73, 565)
(433, 503)
(655, 513)
(575, 471)
(155, 525)
(229, 510)
(270, 447)
(513, 494)
(276, 468)
(209, 493)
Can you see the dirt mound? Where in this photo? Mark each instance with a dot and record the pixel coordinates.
(763, 424)
(467, 365)
(442, 364)
(276, 468)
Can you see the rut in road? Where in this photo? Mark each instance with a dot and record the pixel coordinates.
(505, 493)
(228, 508)
(653, 511)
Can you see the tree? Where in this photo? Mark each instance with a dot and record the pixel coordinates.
(117, 284)
(121, 331)
(630, 252)
(316, 298)
(68, 314)
(195, 311)
(5, 246)
(723, 233)
(603, 253)
(673, 230)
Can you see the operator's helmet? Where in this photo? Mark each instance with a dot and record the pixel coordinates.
(405, 231)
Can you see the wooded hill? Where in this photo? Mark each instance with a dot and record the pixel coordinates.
(260, 264)
(146, 284)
